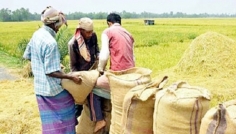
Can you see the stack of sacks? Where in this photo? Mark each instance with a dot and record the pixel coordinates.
(81, 91)
(220, 119)
(180, 108)
(120, 83)
(138, 108)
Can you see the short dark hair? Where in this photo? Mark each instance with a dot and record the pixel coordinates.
(114, 18)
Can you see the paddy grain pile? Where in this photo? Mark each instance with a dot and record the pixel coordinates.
(210, 62)
(210, 55)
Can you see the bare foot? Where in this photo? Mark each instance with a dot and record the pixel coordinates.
(99, 125)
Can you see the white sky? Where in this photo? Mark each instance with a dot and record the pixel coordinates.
(154, 6)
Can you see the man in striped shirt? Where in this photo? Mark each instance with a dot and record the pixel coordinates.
(56, 105)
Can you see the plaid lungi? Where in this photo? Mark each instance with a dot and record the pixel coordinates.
(57, 113)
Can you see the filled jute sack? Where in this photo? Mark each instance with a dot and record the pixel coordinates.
(220, 119)
(82, 90)
(138, 108)
(120, 83)
(86, 126)
(179, 109)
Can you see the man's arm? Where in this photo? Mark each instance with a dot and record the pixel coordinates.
(52, 64)
(104, 54)
(72, 55)
(27, 52)
(96, 46)
(61, 75)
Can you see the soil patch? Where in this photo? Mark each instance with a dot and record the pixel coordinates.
(5, 75)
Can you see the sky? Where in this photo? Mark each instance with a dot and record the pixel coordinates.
(138, 6)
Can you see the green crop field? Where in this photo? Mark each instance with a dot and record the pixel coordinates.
(159, 47)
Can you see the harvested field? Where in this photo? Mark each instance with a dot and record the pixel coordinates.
(18, 110)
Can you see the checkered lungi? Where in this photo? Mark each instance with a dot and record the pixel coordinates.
(57, 113)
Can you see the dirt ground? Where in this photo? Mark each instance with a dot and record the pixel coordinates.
(5, 75)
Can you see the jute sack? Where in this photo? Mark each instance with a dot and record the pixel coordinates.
(138, 108)
(220, 119)
(180, 108)
(81, 91)
(120, 83)
(86, 126)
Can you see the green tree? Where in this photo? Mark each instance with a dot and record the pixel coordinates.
(5, 14)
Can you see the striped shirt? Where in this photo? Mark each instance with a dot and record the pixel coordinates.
(43, 52)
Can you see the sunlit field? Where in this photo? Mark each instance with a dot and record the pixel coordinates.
(158, 47)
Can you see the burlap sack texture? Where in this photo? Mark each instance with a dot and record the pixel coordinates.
(220, 119)
(86, 126)
(180, 108)
(81, 91)
(120, 83)
(138, 107)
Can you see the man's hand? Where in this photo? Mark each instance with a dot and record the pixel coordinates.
(101, 72)
(76, 79)
(101, 66)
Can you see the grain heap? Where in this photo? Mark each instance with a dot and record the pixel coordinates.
(209, 55)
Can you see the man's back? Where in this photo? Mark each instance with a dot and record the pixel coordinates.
(121, 47)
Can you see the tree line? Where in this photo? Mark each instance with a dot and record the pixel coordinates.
(22, 14)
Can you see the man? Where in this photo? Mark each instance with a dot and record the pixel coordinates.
(84, 51)
(56, 105)
(117, 43)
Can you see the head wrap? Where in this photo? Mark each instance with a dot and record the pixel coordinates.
(51, 15)
(86, 24)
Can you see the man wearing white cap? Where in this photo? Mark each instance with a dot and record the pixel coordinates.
(56, 105)
(83, 47)
(84, 51)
